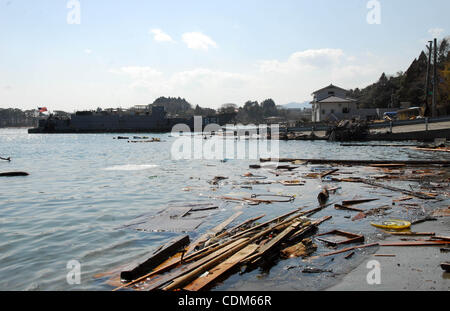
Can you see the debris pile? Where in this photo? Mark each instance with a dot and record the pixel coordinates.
(347, 130)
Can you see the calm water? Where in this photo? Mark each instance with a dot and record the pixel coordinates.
(81, 188)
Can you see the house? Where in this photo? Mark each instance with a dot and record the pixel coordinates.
(332, 104)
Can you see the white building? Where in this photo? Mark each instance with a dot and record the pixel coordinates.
(331, 104)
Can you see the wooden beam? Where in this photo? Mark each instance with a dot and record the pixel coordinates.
(188, 277)
(359, 162)
(213, 232)
(221, 269)
(155, 259)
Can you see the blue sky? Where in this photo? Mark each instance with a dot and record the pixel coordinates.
(124, 53)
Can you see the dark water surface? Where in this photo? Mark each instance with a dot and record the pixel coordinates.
(81, 188)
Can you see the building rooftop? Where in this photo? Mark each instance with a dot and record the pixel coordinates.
(328, 87)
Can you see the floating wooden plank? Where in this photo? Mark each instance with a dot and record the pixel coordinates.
(186, 278)
(416, 243)
(349, 249)
(358, 201)
(348, 237)
(170, 276)
(349, 208)
(440, 237)
(237, 227)
(155, 259)
(411, 233)
(213, 232)
(385, 255)
(13, 174)
(388, 165)
(329, 173)
(411, 193)
(264, 249)
(359, 162)
(220, 270)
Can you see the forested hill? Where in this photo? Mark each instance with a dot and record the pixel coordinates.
(409, 86)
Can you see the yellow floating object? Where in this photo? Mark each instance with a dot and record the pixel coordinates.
(393, 224)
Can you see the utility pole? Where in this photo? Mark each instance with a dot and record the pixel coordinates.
(435, 81)
(427, 86)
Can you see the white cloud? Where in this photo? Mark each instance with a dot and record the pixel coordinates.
(160, 36)
(308, 59)
(198, 41)
(88, 51)
(292, 79)
(436, 32)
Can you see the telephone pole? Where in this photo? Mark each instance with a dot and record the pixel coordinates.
(427, 86)
(435, 81)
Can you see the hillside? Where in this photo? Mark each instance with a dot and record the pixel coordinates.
(409, 86)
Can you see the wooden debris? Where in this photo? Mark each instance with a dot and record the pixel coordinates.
(13, 174)
(445, 212)
(411, 233)
(348, 208)
(350, 255)
(401, 199)
(213, 232)
(203, 282)
(329, 173)
(416, 243)
(339, 237)
(155, 259)
(384, 255)
(374, 211)
(411, 193)
(303, 249)
(292, 183)
(6, 159)
(359, 162)
(445, 238)
(357, 201)
(349, 249)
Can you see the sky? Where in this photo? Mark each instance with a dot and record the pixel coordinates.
(82, 54)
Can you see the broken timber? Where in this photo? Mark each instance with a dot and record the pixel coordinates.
(359, 162)
(411, 193)
(204, 282)
(156, 258)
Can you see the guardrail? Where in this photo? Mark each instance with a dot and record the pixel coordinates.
(386, 124)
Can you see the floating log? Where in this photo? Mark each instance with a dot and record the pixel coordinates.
(416, 243)
(411, 233)
(155, 259)
(377, 145)
(13, 174)
(329, 173)
(354, 202)
(359, 162)
(411, 193)
(349, 208)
